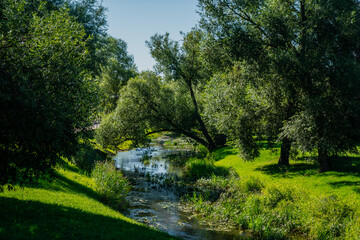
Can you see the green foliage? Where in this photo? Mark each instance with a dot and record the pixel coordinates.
(275, 213)
(331, 217)
(116, 70)
(91, 15)
(47, 97)
(86, 157)
(303, 58)
(231, 92)
(169, 103)
(111, 184)
(296, 203)
(147, 102)
(196, 168)
(253, 185)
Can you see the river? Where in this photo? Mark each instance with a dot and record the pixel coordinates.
(150, 203)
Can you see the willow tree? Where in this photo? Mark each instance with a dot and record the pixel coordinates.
(306, 50)
(171, 102)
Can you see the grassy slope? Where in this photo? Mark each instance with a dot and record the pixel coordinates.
(66, 208)
(344, 182)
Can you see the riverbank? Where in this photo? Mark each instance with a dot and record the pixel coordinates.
(281, 203)
(65, 208)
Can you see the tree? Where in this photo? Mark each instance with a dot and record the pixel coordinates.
(168, 103)
(91, 15)
(232, 108)
(307, 53)
(116, 71)
(47, 96)
(242, 110)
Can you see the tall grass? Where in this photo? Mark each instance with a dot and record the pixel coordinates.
(111, 184)
(196, 168)
(274, 210)
(278, 203)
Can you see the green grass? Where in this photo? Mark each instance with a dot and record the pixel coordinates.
(66, 208)
(281, 203)
(196, 168)
(344, 182)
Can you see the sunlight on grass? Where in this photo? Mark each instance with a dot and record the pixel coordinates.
(66, 208)
(344, 182)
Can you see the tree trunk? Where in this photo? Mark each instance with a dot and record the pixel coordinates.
(211, 143)
(324, 160)
(285, 152)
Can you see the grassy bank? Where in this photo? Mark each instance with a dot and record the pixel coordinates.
(304, 173)
(66, 208)
(281, 203)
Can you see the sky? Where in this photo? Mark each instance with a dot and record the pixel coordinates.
(135, 21)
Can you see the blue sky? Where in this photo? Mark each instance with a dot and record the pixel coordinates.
(135, 21)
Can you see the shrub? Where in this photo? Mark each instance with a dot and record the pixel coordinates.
(111, 184)
(86, 157)
(274, 211)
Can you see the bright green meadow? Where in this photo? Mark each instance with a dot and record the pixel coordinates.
(272, 202)
(68, 207)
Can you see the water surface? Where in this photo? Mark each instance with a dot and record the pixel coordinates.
(156, 206)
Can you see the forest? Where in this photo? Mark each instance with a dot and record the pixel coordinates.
(257, 108)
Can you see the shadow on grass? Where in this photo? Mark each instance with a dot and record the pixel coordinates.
(36, 220)
(296, 169)
(342, 166)
(345, 183)
(59, 182)
(66, 166)
(347, 165)
(62, 183)
(222, 153)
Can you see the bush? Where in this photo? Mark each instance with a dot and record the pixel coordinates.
(86, 157)
(111, 184)
(353, 228)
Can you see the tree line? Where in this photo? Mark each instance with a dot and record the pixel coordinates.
(282, 72)
(53, 55)
(252, 72)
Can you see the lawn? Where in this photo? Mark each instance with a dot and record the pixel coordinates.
(344, 182)
(66, 208)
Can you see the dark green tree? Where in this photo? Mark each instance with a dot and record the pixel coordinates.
(91, 15)
(116, 71)
(47, 96)
(170, 103)
(307, 53)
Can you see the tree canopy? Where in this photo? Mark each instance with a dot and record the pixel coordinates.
(150, 103)
(307, 53)
(116, 70)
(47, 94)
